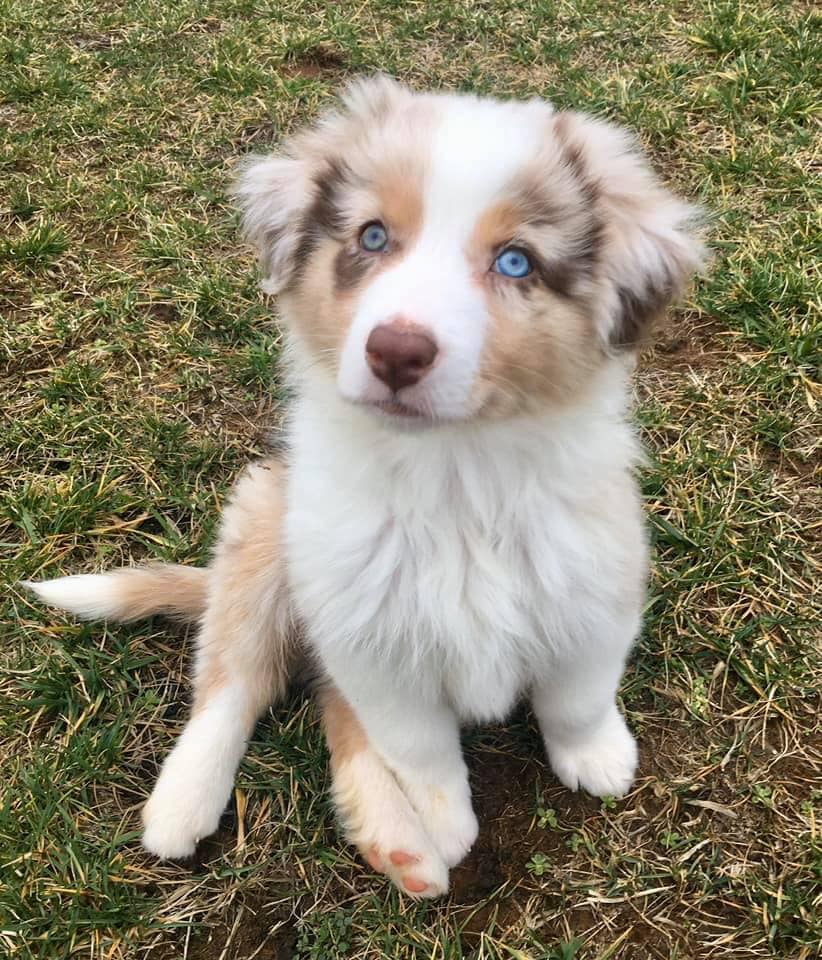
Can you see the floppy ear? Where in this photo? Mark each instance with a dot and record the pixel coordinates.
(281, 195)
(649, 247)
(273, 194)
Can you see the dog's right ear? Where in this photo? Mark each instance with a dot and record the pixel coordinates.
(273, 194)
(278, 194)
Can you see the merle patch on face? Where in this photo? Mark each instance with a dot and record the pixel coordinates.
(637, 313)
(350, 266)
(550, 221)
(323, 217)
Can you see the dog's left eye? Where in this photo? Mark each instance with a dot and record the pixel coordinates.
(513, 262)
(374, 237)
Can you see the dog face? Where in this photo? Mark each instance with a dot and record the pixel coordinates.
(445, 257)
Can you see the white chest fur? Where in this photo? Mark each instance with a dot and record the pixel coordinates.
(466, 558)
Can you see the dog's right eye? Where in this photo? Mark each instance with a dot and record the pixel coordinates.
(374, 237)
(513, 262)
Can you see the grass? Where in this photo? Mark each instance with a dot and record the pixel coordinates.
(136, 375)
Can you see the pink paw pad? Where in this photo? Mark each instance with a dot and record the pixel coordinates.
(413, 885)
(396, 864)
(402, 859)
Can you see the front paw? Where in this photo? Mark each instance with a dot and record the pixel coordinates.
(385, 828)
(604, 764)
(168, 834)
(446, 814)
(179, 813)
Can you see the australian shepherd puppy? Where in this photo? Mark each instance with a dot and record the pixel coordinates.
(455, 524)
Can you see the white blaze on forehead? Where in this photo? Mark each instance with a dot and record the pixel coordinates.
(478, 148)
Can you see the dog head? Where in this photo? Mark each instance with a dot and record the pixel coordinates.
(448, 257)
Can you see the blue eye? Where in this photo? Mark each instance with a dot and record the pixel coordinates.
(512, 262)
(374, 237)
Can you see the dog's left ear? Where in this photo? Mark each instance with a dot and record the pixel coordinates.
(649, 247)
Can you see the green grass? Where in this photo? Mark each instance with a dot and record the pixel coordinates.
(136, 374)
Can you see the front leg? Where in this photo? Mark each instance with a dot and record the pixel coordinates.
(243, 651)
(418, 739)
(375, 813)
(587, 740)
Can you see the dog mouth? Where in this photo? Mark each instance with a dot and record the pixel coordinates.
(398, 413)
(395, 410)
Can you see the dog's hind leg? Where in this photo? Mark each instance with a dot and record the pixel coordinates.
(243, 650)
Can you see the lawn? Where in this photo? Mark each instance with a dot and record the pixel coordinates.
(138, 374)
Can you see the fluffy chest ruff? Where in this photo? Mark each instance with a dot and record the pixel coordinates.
(465, 560)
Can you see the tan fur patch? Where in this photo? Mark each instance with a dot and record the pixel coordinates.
(343, 731)
(499, 224)
(316, 311)
(346, 741)
(399, 192)
(542, 342)
(247, 635)
(210, 680)
(171, 590)
(321, 307)
(539, 349)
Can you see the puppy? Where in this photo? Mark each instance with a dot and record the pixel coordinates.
(456, 524)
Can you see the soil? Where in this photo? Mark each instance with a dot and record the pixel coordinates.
(316, 61)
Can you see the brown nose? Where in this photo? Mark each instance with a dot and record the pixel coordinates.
(400, 356)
